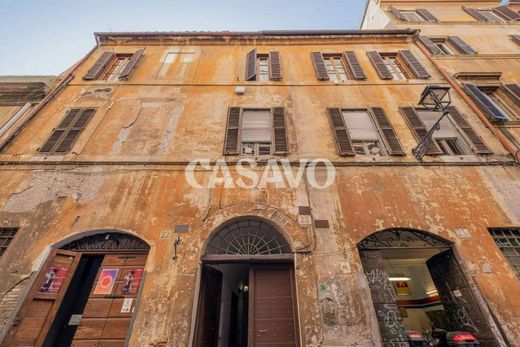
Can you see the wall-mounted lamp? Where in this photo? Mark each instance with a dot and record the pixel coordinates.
(175, 244)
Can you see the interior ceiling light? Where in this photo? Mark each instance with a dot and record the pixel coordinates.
(398, 277)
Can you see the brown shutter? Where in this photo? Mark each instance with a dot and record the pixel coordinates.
(432, 47)
(354, 66)
(483, 101)
(418, 128)
(475, 14)
(275, 66)
(507, 13)
(339, 128)
(319, 66)
(387, 131)
(514, 91)
(427, 15)
(280, 133)
(379, 65)
(232, 129)
(251, 65)
(397, 13)
(516, 38)
(98, 67)
(131, 64)
(414, 65)
(472, 136)
(461, 45)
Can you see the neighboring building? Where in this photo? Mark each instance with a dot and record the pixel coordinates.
(114, 240)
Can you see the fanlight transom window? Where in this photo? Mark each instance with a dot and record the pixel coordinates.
(248, 237)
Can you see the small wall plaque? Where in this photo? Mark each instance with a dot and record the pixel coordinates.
(181, 228)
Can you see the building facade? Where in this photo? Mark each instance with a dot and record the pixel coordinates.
(257, 188)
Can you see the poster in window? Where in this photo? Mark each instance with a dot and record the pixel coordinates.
(106, 281)
(132, 280)
(53, 280)
(402, 288)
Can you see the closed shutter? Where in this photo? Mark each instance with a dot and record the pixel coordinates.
(131, 64)
(65, 135)
(280, 132)
(275, 66)
(251, 65)
(516, 38)
(507, 13)
(343, 142)
(232, 129)
(319, 66)
(379, 65)
(414, 65)
(475, 14)
(397, 13)
(427, 15)
(461, 45)
(354, 66)
(514, 91)
(418, 128)
(471, 135)
(98, 67)
(485, 103)
(387, 131)
(430, 46)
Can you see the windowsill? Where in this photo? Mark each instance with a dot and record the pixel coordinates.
(507, 124)
(457, 22)
(476, 56)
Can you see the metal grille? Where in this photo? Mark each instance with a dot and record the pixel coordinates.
(108, 242)
(248, 237)
(508, 240)
(6, 236)
(402, 238)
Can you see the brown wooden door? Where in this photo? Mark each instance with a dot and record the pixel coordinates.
(108, 312)
(273, 319)
(39, 309)
(208, 313)
(462, 309)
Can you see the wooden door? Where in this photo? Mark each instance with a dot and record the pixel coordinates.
(208, 313)
(34, 319)
(384, 298)
(462, 309)
(106, 319)
(273, 318)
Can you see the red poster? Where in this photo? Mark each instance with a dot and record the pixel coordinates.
(106, 281)
(53, 279)
(132, 280)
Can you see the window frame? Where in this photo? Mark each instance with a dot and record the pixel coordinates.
(256, 145)
(515, 236)
(385, 56)
(489, 90)
(107, 74)
(332, 58)
(381, 142)
(6, 240)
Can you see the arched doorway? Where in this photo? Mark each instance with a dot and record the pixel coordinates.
(85, 293)
(247, 289)
(417, 284)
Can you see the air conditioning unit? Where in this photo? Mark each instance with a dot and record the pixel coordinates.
(240, 90)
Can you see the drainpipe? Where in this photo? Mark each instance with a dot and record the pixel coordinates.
(503, 140)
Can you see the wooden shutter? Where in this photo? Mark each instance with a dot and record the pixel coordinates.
(418, 128)
(430, 46)
(339, 128)
(461, 45)
(131, 64)
(507, 13)
(514, 91)
(354, 66)
(39, 309)
(397, 13)
(475, 14)
(414, 65)
(280, 133)
(319, 66)
(232, 129)
(387, 131)
(516, 38)
(483, 101)
(98, 67)
(379, 65)
(427, 15)
(251, 66)
(471, 135)
(65, 135)
(275, 66)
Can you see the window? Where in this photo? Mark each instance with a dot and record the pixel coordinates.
(393, 65)
(263, 67)
(256, 132)
(499, 102)
(335, 68)
(446, 137)
(363, 133)
(6, 236)
(175, 64)
(508, 241)
(412, 16)
(113, 66)
(417, 15)
(499, 97)
(490, 16)
(443, 45)
(67, 132)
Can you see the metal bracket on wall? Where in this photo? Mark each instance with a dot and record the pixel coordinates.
(175, 244)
